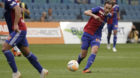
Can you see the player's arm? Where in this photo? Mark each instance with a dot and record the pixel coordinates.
(17, 10)
(89, 13)
(26, 10)
(118, 13)
(1, 5)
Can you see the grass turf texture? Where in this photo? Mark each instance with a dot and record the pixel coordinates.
(123, 64)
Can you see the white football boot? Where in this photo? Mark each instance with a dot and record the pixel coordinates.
(108, 46)
(114, 49)
(16, 75)
(44, 73)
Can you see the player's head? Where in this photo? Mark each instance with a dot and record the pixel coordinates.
(108, 6)
(18, 0)
(114, 1)
(1, 5)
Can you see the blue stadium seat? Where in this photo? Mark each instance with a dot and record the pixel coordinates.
(85, 18)
(54, 1)
(68, 1)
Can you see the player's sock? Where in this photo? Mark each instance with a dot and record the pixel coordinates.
(108, 39)
(90, 61)
(114, 41)
(33, 60)
(79, 59)
(11, 60)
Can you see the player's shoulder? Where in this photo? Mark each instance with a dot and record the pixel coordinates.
(98, 7)
(102, 8)
(9, 0)
(116, 5)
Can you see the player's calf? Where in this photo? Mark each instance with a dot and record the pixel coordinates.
(91, 59)
(82, 55)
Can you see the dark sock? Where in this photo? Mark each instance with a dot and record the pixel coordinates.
(11, 60)
(33, 60)
(90, 61)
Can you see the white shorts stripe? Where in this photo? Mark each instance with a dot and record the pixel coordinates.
(15, 38)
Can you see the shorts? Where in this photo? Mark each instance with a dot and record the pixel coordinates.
(90, 40)
(111, 27)
(18, 39)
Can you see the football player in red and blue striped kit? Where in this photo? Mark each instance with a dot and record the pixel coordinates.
(17, 37)
(112, 25)
(93, 33)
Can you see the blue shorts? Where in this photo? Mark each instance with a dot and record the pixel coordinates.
(90, 40)
(111, 27)
(18, 39)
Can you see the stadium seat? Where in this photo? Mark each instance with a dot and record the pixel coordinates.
(54, 1)
(85, 18)
(68, 1)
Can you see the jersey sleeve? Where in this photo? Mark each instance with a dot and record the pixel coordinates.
(11, 3)
(95, 10)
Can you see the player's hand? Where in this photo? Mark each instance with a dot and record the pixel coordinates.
(16, 28)
(98, 18)
(119, 18)
(24, 10)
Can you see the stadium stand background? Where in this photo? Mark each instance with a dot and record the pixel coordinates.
(70, 10)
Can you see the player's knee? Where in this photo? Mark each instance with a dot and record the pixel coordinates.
(26, 53)
(94, 50)
(4, 48)
(31, 56)
(115, 32)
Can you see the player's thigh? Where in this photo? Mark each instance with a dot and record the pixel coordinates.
(109, 28)
(95, 44)
(85, 43)
(23, 45)
(6, 46)
(11, 41)
(14, 38)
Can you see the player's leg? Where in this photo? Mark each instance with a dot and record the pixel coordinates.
(82, 55)
(9, 56)
(13, 38)
(94, 49)
(84, 48)
(109, 27)
(32, 58)
(115, 37)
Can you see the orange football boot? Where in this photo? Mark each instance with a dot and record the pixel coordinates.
(86, 71)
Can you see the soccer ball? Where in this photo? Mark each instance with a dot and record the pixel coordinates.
(73, 65)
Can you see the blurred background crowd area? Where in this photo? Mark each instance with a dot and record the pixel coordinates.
(73, 10)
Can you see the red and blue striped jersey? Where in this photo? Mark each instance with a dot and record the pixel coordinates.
(95, 26)
(10, 16)
(114, 17)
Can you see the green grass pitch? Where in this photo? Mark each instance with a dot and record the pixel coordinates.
(123, 64)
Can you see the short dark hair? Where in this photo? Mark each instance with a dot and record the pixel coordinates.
(108, 2)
